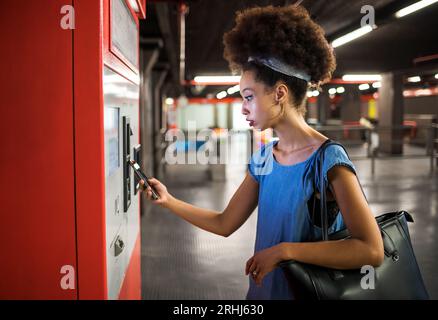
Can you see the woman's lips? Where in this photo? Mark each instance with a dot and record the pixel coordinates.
(251, 123)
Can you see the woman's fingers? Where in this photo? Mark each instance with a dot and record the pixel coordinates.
(252, 268)
(259, 277)
(248, 264)
(255, 271)
(147, 189)
(155, 183)
(159, 188)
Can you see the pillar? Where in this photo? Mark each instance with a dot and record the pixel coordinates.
(391, 114)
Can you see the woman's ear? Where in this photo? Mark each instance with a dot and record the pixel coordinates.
(281, 93)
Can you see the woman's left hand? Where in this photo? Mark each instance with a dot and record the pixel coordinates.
(263, 262)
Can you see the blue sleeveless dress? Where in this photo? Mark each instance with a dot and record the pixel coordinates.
(283, 215)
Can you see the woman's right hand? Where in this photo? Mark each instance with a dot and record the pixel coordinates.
(160, 188)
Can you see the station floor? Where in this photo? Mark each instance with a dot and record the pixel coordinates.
(180, 261)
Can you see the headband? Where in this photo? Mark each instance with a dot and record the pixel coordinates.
(282, 67)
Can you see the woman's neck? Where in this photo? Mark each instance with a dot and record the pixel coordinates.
(294, 133)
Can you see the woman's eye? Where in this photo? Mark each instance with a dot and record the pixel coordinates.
(248, 98)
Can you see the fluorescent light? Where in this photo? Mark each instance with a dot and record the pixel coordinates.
(414, 7)
(377, 85)
(423, 92)
(221, 95)
(169, 101)
(362, 77)
(332, 91)
(436, 76)
(217, 79)
(340, 90)
(313, 93)
(352, 36)
(364, 86)
(234, 89)
(414, 79)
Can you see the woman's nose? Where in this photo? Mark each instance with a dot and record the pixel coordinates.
(244, 110)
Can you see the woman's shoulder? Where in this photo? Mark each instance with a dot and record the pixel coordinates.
(335, 150)
(336, 155)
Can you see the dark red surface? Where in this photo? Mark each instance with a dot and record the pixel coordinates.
(37, 228)
(52, 164)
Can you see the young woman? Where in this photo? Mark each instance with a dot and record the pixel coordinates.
(280, 52)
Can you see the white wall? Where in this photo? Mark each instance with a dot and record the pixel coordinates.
(201, 113)
(239, 120)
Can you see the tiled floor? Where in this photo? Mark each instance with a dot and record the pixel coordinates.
(180, 261)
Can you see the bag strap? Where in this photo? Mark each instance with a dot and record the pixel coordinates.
(323, 186)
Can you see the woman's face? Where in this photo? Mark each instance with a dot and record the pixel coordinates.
(258, 105)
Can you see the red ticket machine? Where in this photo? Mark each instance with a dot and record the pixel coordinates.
(70, 108)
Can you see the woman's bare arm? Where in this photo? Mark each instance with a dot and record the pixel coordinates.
(240, 207)
(365, 246)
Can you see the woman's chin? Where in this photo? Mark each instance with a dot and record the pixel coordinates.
(255, 126)
(260, 127)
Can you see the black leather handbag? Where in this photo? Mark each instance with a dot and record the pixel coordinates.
(398, 277)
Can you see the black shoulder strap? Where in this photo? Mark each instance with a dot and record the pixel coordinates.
(323, 186)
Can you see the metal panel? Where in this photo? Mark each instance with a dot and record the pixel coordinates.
(121, 227)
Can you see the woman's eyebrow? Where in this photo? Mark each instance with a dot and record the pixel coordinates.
(246, 89)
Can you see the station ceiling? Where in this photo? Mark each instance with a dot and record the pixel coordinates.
(393, 46)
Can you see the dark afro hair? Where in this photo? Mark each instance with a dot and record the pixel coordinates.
(287, 33)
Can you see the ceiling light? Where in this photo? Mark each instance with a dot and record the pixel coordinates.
(216, 79)
(340, 90)
(377, 85)
(352, 36)
(414, 79)
(234, 89)
(169, 101)
(309, 94)
(362, 77)
(414, 7)
(332, 91)
(221, 95)
(436, 76)
(364, 86)
(315, 93)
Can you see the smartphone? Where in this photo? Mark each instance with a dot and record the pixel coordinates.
(143, 177)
